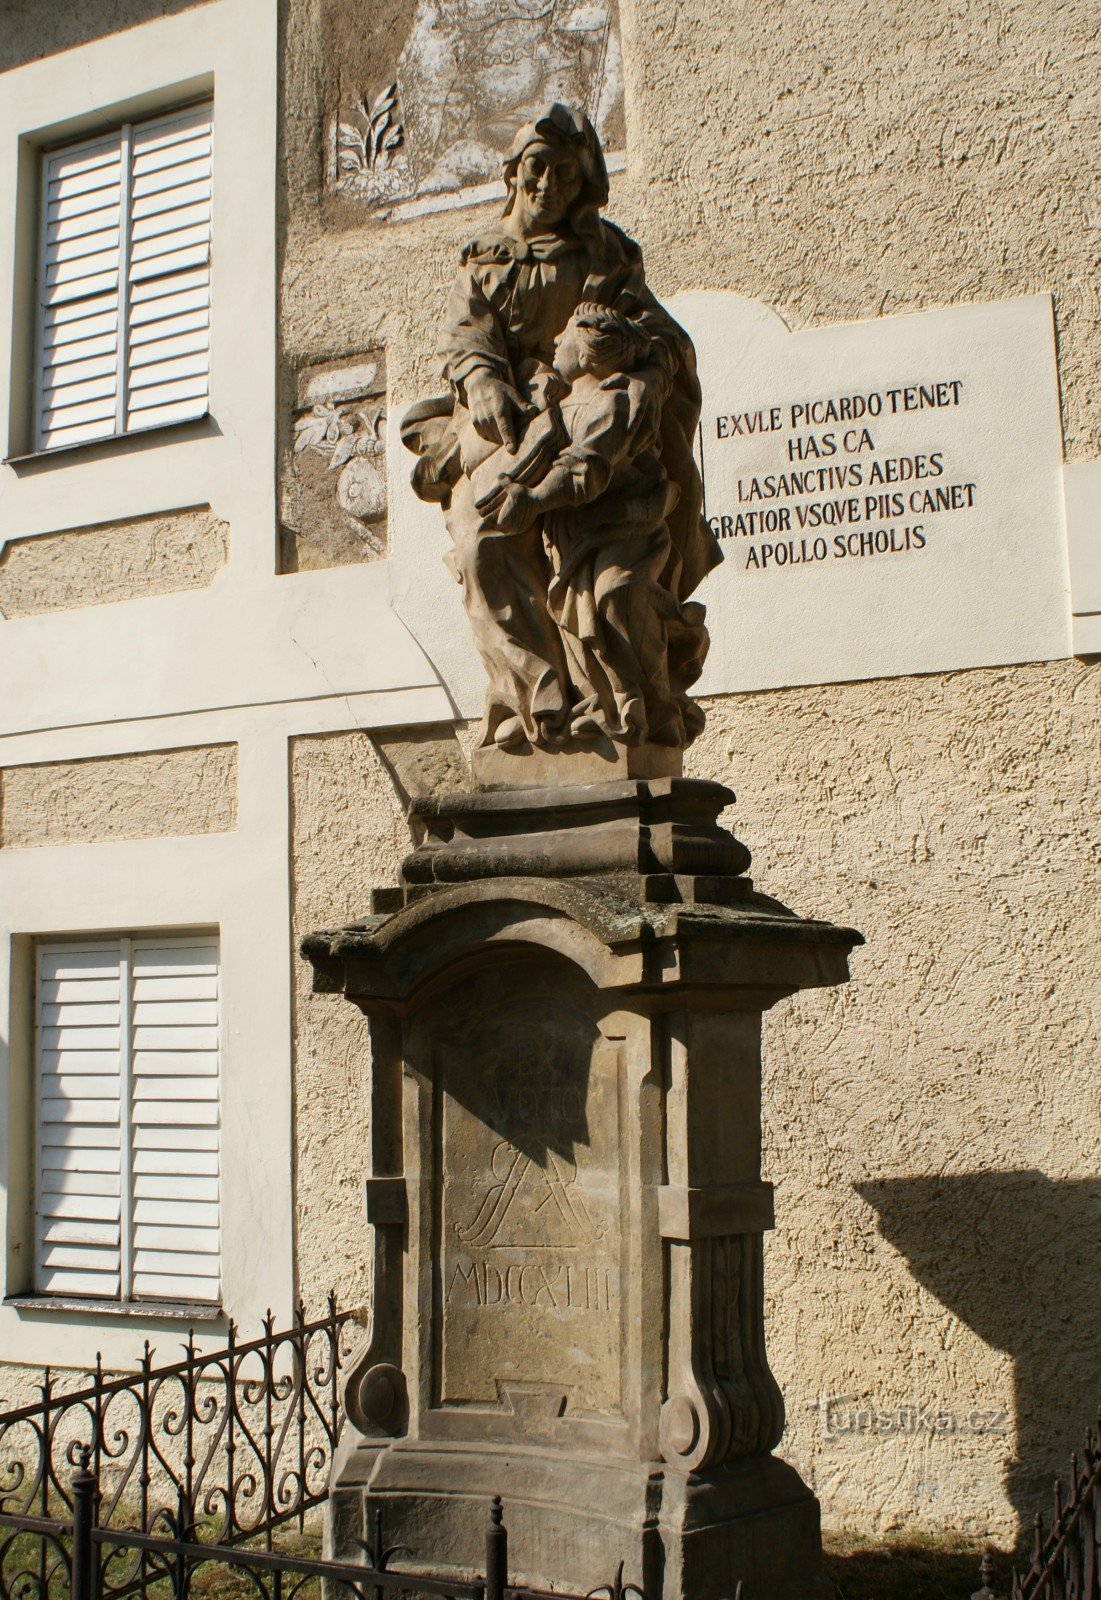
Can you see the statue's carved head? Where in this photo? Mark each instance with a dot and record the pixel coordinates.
(555, 172)
(600, 341)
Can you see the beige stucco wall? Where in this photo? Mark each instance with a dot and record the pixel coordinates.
(931, 1128)
(18, 1387)
(156, 794)
(838, 161)
(30, 33)
(347, 834)
(119, 561)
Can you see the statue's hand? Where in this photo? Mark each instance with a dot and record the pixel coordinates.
(517, 510)
(495, 408)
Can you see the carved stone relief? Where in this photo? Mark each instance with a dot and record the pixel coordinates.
(528, 1221)
(334, 482)
(424, 115)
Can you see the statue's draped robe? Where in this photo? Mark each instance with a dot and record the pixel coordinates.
(609, 544)
(510, 302)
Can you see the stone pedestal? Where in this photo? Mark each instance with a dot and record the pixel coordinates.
(564, 1195)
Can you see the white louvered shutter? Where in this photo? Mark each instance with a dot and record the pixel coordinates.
(168, 339)
(127, 1045)
(78, 364)
(124, 281)
(175, 1119)
(80, 1122)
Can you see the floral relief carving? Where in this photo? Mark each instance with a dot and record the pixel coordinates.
(368, 142)
(352, 441)
(468, 74)
(334, 500)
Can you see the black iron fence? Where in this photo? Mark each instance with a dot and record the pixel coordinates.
(131, 1485)
(80, 1559)
(243, 1436)
(1066, 1558)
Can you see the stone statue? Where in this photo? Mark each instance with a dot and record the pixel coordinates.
(562, 457)
(566, 989)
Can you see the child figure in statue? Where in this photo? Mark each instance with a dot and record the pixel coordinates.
(603, 498)
(543, 624)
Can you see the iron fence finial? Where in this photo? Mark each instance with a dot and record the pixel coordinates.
(496, 1551)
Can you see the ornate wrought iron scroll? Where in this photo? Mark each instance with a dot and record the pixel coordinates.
(124, 1487)
(242, 1436)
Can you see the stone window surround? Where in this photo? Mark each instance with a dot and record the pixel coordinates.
(33, 145)
(22, 1117)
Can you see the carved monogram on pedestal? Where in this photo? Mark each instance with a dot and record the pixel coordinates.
(527, 1225)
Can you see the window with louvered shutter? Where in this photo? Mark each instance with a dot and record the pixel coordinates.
(128, 1158)
(124, 281)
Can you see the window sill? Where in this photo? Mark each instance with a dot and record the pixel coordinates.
(173, 1310)
(91, 449)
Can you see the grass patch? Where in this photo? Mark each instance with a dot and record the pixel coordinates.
(907, 1566)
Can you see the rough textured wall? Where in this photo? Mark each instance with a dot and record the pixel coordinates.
(18, 1386)
(143, 796)
(118, 561)
(348, 836)
(840, 162)
(932, 1127)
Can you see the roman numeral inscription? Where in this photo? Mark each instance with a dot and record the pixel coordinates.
(556, 1285)
(527, 1268)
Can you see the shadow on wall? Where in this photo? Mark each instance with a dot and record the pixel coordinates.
(31, 31)
(1017, 1256)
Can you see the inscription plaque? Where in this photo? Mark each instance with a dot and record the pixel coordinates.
(888, 496)
(527, 1223)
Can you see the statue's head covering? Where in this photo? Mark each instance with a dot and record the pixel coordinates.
(562, 126)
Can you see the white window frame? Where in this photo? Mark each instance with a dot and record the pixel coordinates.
(125, 133)
(126, 1297)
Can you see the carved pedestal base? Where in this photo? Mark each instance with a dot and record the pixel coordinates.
(565, 1200)
(574, 1518)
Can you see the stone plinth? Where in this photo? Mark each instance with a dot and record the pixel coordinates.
(564, 1194)
(598, 760)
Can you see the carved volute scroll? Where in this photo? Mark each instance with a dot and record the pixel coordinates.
(723, 1401)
